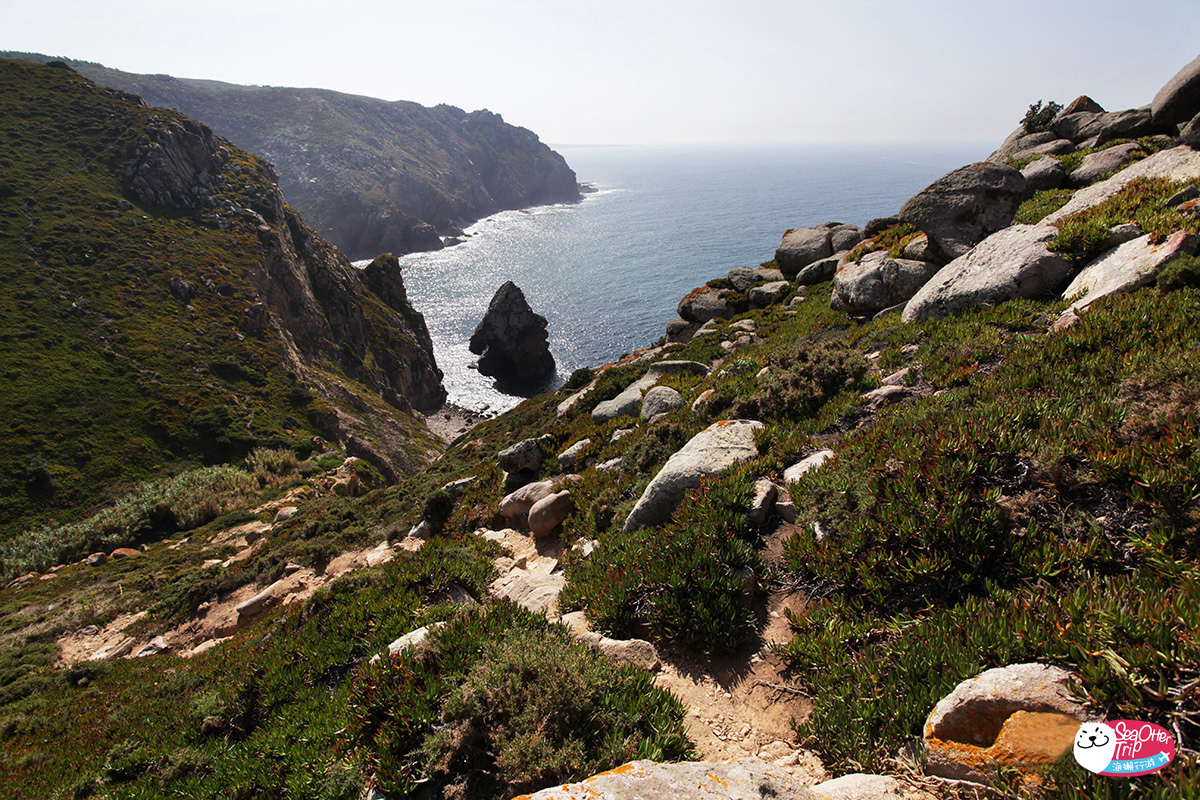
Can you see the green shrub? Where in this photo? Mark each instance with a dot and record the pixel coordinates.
(499, 702)
(579, 378)
(689, 581)
(1040, 118)
(799, 382)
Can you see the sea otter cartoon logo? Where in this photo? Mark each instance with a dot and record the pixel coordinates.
(1095, 745)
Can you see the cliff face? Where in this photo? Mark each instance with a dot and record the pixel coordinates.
(160, 289)
(370, 175)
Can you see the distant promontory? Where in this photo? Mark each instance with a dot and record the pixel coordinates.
(370, 175)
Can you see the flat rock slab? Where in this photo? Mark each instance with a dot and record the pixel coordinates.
(715, 449)
(710, 780)
(797, 470)
(629, 402)
(860, 786)
(1127, 267)
(1012, 263)
(1177, 164)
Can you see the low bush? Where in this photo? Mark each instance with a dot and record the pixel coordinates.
(499, 702)
(1040, 117)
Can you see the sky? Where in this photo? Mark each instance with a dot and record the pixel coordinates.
(655, 71)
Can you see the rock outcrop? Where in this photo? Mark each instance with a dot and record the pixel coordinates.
(511, 341)
(648, 780)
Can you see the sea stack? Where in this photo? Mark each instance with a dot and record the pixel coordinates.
(511, 341)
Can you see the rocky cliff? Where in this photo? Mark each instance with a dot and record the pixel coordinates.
(161, 288)
(369, 175)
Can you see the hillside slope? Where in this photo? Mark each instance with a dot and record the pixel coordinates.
(163, 307)
(371, 176)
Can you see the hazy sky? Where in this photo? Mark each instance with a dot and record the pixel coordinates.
(655, 71)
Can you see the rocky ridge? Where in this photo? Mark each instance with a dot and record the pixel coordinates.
(369, 175)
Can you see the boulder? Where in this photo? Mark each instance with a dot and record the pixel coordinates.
(1179, 100)
(524, 456)
(819, 271)
(768, 293)
(511, 340)
(639, 652)
(629, 402)
(1190, 133)
(96, 559)
(124, 552)
(688, 780)
(962, 208)
(1045, 173)
(1018, 141)
(660, 400)
(765, 493)
(878, 282)
(1012, 263)
(268, 596)
(568, 459)
(409, 641)
(715, 449)
(1177, 164)
(1054, 147)
(743, 278)
(546, 514)
(802, 246)
(1101, 163)
(705, 303)
(919, 249)
(810, 462)
(1126, 267)
(1082, 103)
(516, 505)
(1104, 126)
(1020, 716)
(680, 330)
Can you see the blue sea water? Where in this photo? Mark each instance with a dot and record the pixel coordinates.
(608, 273)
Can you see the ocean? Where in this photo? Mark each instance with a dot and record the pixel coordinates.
(608, 273)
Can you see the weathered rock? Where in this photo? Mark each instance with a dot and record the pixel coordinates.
(715, 449)
(1105, 126)
(743, 278)
(516, 505)
(877, 282)
(802, 246)
(1179, 100)
(1054, 147)
(705, 303)
(629, 402)
(811, 462)
(1189, 133)
(258, 602)
(155, 646)
(511, 340)
(1178, 164)
(680, 330)
(409, 641)
(524, 456)
(765, 492)
(1045, 173)
(859, 786)
(962, 208)
(844, 237)
(740, 779)
(919, 249)
(96, 559)
(704, 397)
(285, 513)
(1012, 263)
(1082, 103)
(124, 552)
(1018, 141)
(878, 225)
(1125, 268)
(768, 293)
(546, 514)
(885, 396)
(1099, 164)
(568, 459)
(639, 652)
(1020, 716)
(660, 400)
(819, 271)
